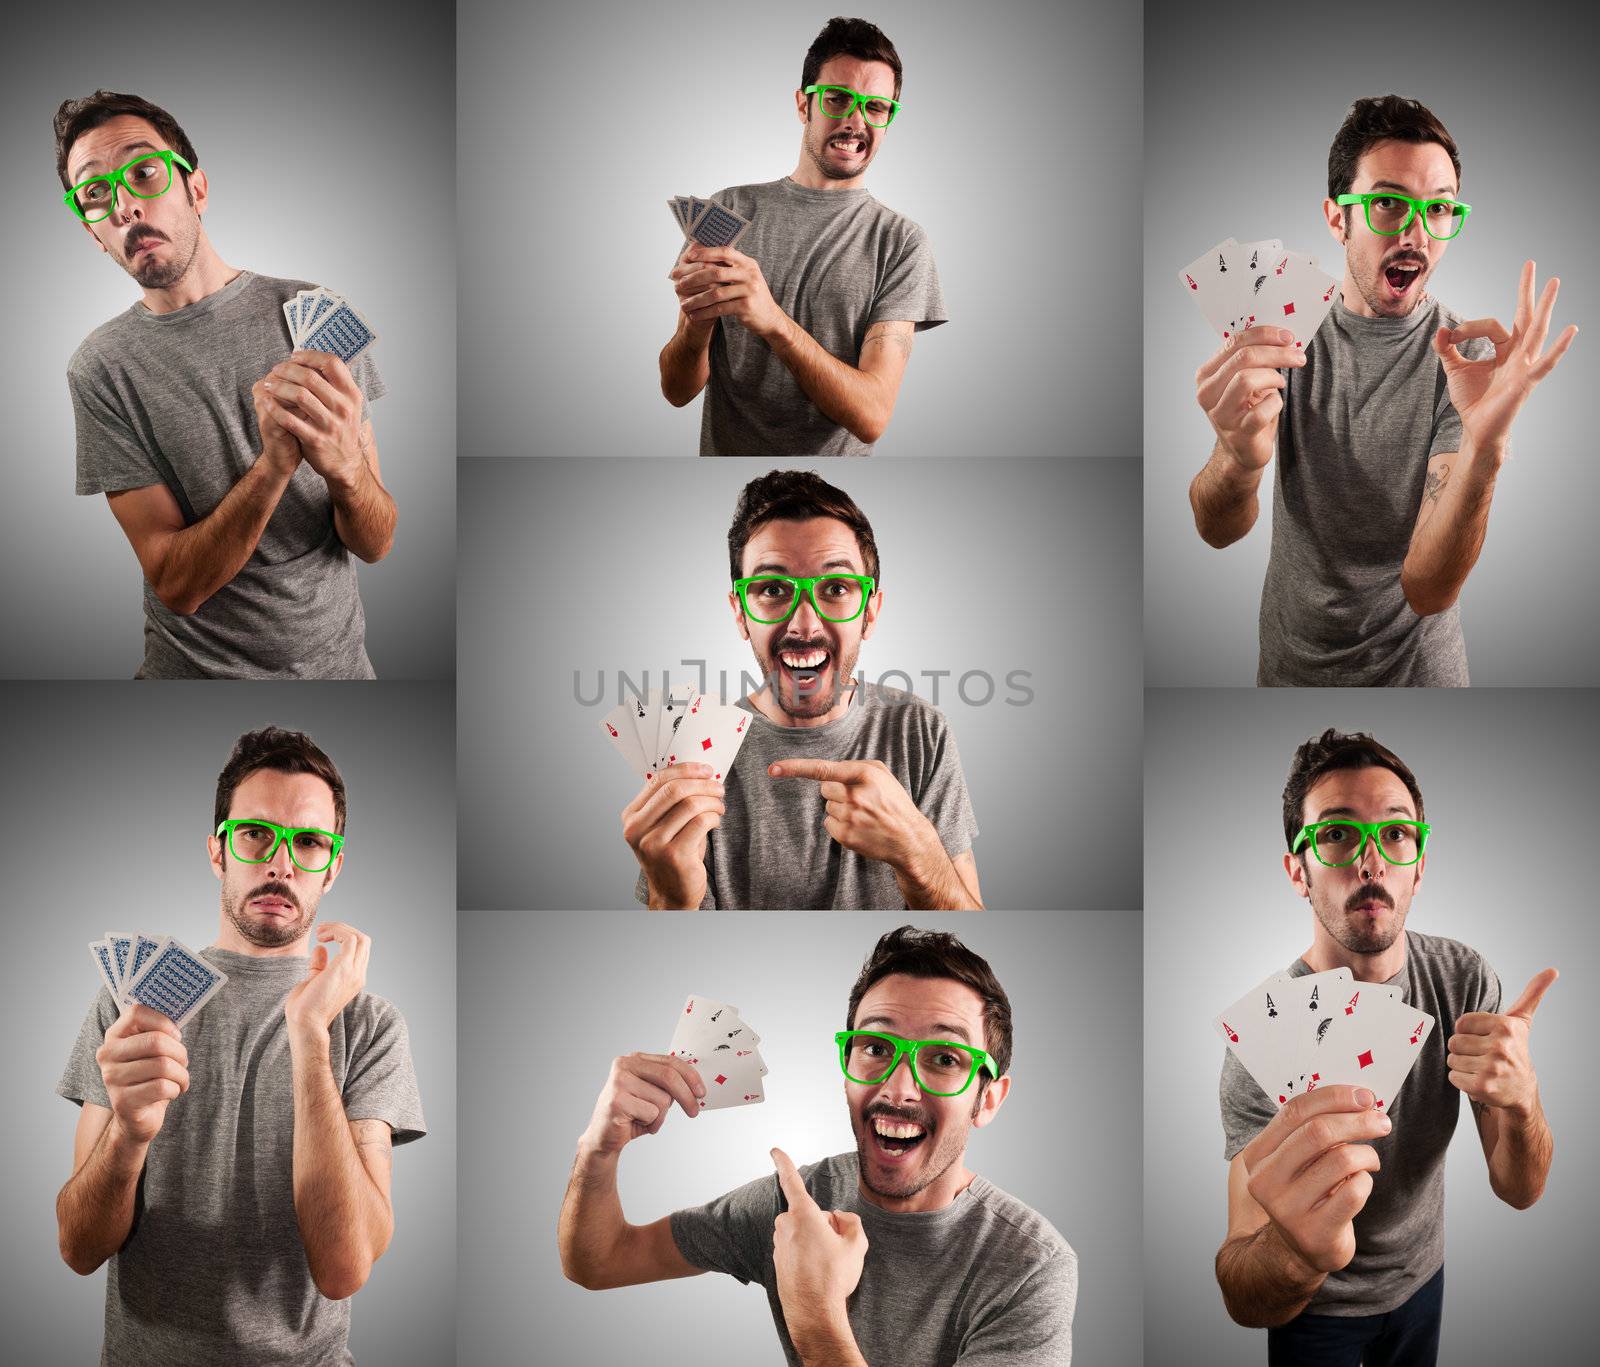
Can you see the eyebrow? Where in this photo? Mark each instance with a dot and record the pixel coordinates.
(1351, 811)
(960, 1031)
(1395, 185)
(773, 567)
(136, 145)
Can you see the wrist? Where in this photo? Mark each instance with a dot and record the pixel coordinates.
(309, 1040)
(344, 484)
(126, 1150)
(776, 332)
(817, 1329)
(1488, 453)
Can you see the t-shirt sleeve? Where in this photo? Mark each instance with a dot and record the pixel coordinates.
(380, 1082)
(1485, 995)
(111, 458)
(1446, 421)
(1246, 1109)
(371, 384)
(1034, 1327)
(944, 799)
(732, 1234)
(910, 290)
(80, 1080)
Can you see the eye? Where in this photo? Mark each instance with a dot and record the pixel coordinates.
(877, 108)
(1333, 835)
(254, 832)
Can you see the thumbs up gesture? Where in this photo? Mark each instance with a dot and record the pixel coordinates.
(1488, 1055)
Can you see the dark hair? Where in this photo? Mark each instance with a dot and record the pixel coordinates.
(287, 752)
(938, 954)
(792, 496)
(1382, 118)
(849, 38)
(1334, 750)
(77, 117)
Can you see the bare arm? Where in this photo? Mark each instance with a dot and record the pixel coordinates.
(599, 1248)
(341, 1175)
(686, 361)
(1264, 1282)
(861, 397)
(1450, 528)
(1519, 1149)
(940, 883)
(1223, 498)
(94, 1212)
(364, 514)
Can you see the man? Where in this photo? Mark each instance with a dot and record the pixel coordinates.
(959, 1271)
(801, 339)
(244, 479)
(845, 795)
(1336, 1215)
(1390, 431)
(235, 1177)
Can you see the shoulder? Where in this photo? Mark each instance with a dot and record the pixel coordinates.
(1474, 349)
(897, 225)
(1022, 1227)
(278, 287)
(833, 1182)
(371, 1017)
(90, 360)
(741, 197)
(1455, 958)
(899, 712)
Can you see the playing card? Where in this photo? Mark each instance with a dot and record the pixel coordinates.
(339, 330)
(672, 706)
(1297, 296)
(1266, 1028)
(104, 962)
(709, 1025)
(617, 726)
(1373, 1046)
(712, 1039)
(121, 943)
(717, 226)
(1205, 278)
(139, 955)
(711, 733)
(174, 981)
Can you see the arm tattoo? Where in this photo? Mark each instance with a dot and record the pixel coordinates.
(893, 334)
(1435, 485)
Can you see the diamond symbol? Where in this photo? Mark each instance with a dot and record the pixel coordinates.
(719, 1079)
(1288, 309)
(1365, 1059)
(706, 743)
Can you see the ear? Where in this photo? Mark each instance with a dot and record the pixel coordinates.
(1334, 214)
(738, 615)
(333, 871)
(1295, 867)
(993, 1096)
(801, 101)
(99, 245)
(874, 607)
(1416, 880)
(214, 849)
(198, 186)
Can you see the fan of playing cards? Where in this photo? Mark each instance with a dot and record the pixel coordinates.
(707, 222)
(1241, 285)
(156, 971)
(676, 726)
(1294, 1035)
(719, 1046)
(320, 320)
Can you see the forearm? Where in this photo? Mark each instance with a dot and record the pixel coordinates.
(1520, 1161)
(192, 564)
(591, 1223)
(686, 361)
(364, 515)
(1223, 497)
(345, 1220)
(825, 1341)
(855, 399)
(1264, 1282)
(94, 1211)
(1451, 526)
(930, 881)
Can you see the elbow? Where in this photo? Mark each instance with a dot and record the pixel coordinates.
(341, 1279)
(1425, 599)
(1518, 1198)
(80, 1259)
(178, 600)
(579, 1274)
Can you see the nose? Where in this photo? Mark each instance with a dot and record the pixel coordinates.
(1371, 862)
(280, 865)
(900, 1087)
(1415, 235)
(126, 205)
(805, 620)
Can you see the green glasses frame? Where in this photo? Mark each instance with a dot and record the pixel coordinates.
(858, 101)
(1416, 206)
(1369, 831)
(285, 836)
(119, 177)
(804, 588)
(909, 1049)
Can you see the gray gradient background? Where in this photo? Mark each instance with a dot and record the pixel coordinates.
(1055, 784)
(143, 764)
(1073, 981)
(613, 106)
(250, 87)
(1515, 88)
(1219, 917)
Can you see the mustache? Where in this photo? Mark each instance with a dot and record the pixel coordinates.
(799, 647)
(281, 891)
(137, 235)
(894, 1113)
(1407, 259)
(1372, 893)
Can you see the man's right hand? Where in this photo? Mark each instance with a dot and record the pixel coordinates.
(1311, 1171)
(144, 1065)
(1241, 391)
(637, 1097)
(277, 445)
(667, 826)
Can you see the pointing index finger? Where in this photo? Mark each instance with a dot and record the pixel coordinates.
(794, 1189)
(827, 770)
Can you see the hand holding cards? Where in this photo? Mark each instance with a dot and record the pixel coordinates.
(721, 1048)
(707, 222)
(1241, 285)
(158, 972)
(676, 726)
(320, 320)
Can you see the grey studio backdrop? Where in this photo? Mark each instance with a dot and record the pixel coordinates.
(1065, 1142)
(313, 123)
(113, 786)
(1238, 120)
(578, 570)
(1506, 777)
(1017, 151)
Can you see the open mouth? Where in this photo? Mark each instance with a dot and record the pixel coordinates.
(1402, 278)
(896, 1137)
(849, 144)
(805, 667)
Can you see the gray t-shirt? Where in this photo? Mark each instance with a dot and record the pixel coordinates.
(771, 851)
(165, 399)
(985, 1282)
(214, 1270)
(1400, 1231)
(836, 261)
(1360, 422)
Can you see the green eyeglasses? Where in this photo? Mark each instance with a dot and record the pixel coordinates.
(147, 176)
(1339, 843)
(772, 598)
(939, 1067)
(1388, 213)
(255, 842)
(838, 101)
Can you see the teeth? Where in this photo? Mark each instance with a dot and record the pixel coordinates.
(810, 660)
(896, 1129)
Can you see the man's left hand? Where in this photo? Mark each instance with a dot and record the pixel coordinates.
(1488, 394)
(817, 1254)
(867, 809)
(327, 988)
(1488, 1055)
(722, 282)
(317, 401)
